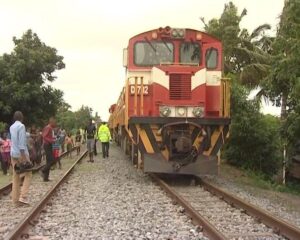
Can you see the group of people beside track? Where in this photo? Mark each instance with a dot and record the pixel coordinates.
(34, 141)
(34, 144)
(21, 150)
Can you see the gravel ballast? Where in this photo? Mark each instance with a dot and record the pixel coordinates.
(110, 199)
(232, 222)
(10, 215)
(267, 200)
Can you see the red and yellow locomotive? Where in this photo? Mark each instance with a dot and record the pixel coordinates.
(173, 114)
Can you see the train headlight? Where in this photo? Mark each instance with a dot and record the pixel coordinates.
(165, 111)
(181, 32)
(174, 33)
(181, 111)
(198, 111)
(178, 32)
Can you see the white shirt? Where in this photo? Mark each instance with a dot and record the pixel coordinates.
(18, 139)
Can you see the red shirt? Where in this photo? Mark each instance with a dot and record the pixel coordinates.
(48, 136)
(6, 145)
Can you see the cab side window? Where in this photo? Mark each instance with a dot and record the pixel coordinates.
(211, 58)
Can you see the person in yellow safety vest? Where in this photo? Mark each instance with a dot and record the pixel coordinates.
(104, 137)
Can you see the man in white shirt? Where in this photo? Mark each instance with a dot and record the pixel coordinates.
(19, 153)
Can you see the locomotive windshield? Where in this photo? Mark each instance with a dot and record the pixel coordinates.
(151, 53)
(190, 53)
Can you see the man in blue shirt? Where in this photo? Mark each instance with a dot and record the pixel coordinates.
(19, 153)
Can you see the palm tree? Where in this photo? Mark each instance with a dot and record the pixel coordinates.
(246, 55)
(255, 52)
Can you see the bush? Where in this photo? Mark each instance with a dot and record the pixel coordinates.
(254, 141)
(3, 126)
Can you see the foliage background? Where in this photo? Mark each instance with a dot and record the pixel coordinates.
(270, 63)
(25, 77)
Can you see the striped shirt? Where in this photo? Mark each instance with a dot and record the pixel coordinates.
(56, 144)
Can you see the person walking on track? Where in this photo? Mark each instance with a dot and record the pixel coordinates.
(90, 131)
(3, 164)
(95, 142)
(104, 137)
(19, 154)
(63, 135)
(78, 139)
(69, 143)
(56, 148)
(5, 146)
(48, 140)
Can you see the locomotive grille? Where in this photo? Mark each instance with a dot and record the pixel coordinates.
(180, 87)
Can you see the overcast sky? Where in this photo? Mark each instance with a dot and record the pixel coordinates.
(91, 34)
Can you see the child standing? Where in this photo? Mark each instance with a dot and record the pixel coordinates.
(56, 148)
(78, 141)
(5, 153)
(69, 142)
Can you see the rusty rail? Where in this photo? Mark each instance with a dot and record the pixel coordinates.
(19, 232)
(279, 226)
(7, 188)
(196, 217)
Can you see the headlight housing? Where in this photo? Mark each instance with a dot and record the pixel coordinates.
(174, 33)
(178, 33)
(181, 33)
(165, 111)
(181, 111)
(198, 111)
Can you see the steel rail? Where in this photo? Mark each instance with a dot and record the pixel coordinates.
(278, 225)
(7, 187)
(196, 217)
(19, 231)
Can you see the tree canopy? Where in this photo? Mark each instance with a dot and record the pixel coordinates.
(72, 121)
(285, 72)
(25, 74)
(245, 54)
(254, 140)
(284, 79)
(272, 63)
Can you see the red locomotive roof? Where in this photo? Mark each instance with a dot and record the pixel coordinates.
(205, 36)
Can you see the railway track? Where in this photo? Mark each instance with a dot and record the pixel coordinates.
(221, 215)
(7, 188)
(20, 231)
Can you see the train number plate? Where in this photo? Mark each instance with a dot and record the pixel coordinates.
(139, 89)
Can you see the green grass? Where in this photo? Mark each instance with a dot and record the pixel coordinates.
(245, 177)
(290, 187)
(263, 182)
(4, 180)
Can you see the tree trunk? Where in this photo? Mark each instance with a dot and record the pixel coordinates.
(283, 116)
(283, 113)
